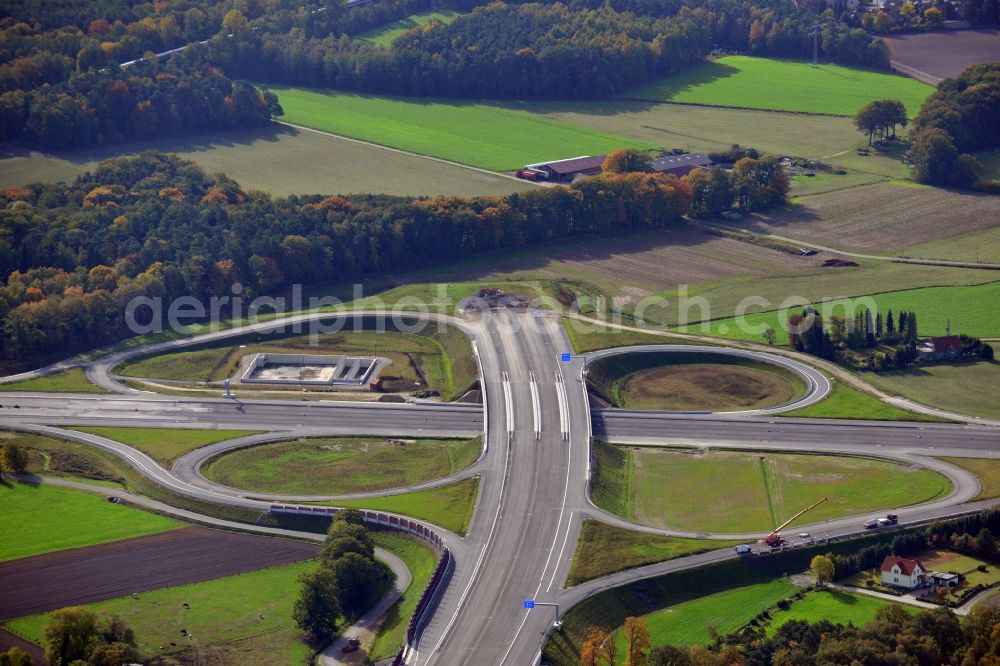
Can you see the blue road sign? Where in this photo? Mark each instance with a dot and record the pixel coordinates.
(529, 603)
(566, 358)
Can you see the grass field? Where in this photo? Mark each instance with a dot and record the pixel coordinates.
(784, 85)
(691, 622)
(966, 388)
(704, 128)
(987, 470)
(165, 444)
(384, 35)
(935, 308)
(449, 506)
(278, 159)
(604, 549)
(73, 380)
(981, 245)
(471, 133)
(821, 183)
(331, 465)
(243, 619)
(846, 402)
(706, 386)
(761, 490)
(832, 605)
(41, 519)
(420, 560)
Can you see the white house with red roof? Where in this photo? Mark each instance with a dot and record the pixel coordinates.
(902, 572)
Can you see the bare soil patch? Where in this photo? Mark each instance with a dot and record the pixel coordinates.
(883, 217)
(933, 56)
(706, 386)
(84, 575)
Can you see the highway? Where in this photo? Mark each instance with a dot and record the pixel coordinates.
(534, 472)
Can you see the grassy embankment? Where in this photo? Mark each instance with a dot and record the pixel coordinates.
(761, 491)
(165, 444)
(73, 380)
(332, 465)
(420, 560)
(449, 506)
(604, 549)
(41, 519)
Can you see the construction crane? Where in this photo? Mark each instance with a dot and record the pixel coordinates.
(774, 538)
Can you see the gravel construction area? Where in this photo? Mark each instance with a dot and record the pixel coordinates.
(933, 56)
(84, 575)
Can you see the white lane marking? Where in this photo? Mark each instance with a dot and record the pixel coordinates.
(508, 406)
(563, 406)
(536, 406)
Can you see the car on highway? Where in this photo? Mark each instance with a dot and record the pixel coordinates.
(805, 535)
(870, 524)
(743, 549)
(352, 645)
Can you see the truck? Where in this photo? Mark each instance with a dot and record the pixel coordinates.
(743, 549)
(774, 539)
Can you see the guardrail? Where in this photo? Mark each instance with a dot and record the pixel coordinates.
(435, 587)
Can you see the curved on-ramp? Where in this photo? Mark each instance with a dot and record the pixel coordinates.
(817, 385)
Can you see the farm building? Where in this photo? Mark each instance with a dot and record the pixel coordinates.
(945, 579)
(567, 171)
(901, 572)
(944, 347)
(563, 171)
(680, 165)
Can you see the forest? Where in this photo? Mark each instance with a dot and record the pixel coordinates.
(959, 117)
(74, 254)
(76, 74)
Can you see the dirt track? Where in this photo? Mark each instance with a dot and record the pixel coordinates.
(9, 640)
(85, 575)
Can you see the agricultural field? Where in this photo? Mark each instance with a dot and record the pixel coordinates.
(165, 444)
(243, 619)
(879, 218)
(334, 465)
(86, 575)
(39, 518)
(982, 245)
(933, 56)
(935, 308)
(385, 35)
(677, 381)
(279, 159)
(846, 402)
(834, 606)
(966, 388)
(604, 549)
(431, 359)
(831, 139)
(762, 490)
(784, 85)
(73, 380)
(420, 560)
(692, 622)
(449, 506)
(473, 133)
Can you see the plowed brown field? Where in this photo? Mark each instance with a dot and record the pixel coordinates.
(84, 575)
